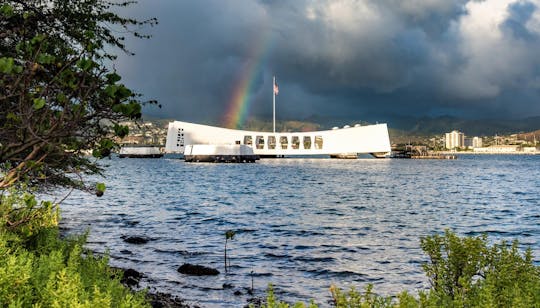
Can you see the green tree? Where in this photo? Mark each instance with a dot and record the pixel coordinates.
(59, 97)
(467, 271)
(229, 235)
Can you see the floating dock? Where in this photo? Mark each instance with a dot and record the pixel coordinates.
(419, 152)
(434, 156)
(140, 151)
(227, 153)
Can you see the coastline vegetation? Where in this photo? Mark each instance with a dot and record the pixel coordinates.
(229, 235)
(59, 100)
(462, 272)
(38, 268)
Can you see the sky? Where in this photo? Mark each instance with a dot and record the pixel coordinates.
(213, 61)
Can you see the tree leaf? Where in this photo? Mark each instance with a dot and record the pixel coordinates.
(113, 78)
(6, 10)
(85, 64)
(100, 186)
(39, 103)
(6, 65)
(100, 189)
(45, 58)
(229, 234)
(121, 130)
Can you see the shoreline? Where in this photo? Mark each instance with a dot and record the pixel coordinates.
(485, 153)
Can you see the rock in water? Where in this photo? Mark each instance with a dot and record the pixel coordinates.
(131, 277)
(197, 270)
(135, 239)
(164, 300)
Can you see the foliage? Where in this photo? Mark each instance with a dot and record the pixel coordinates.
(467, 271)
(58, 97)
(59, 100)
(463, 272)
(273, 302)
(229, 235)
(21, 213)
(50, 272)
(366, 299)
(454, 263)
(37, 268)
(100, 189)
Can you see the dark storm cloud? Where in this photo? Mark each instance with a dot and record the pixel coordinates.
(346, 57)
(519, 14)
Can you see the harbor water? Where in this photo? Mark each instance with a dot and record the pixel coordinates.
(301, 224)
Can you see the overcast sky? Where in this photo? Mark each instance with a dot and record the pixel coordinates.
(363, 59)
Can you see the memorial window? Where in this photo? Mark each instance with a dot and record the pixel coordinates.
(259, 142)
(318, 142)
(295, 142)
(307, 142)
(284, 142)
(248, 140)
(271, 142)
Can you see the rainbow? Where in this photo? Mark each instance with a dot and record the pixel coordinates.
(239, 103)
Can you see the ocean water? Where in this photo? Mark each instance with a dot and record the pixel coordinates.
(301, 224)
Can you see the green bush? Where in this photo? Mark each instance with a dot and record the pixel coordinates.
(463, 272)
(38, 268)
(22, 213)
(52, 272)
(273, 302)
(366, 299)
(467, 271)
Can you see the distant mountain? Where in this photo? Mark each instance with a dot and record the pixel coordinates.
(424, 126)
(532, 137)
(400, 125)
(477, 127)
(281, 126)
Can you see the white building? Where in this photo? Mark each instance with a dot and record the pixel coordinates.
(531, 150)
(499, 149)
(477, 142)
(372, 139)
(454, 139)
(473, 142)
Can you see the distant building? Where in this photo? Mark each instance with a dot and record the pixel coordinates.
(533, 150)
(467, 142)
(473, 142)
(477, 142)
(454, 139)
(499, 149)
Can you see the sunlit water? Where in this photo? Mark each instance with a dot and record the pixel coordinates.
(301, 224)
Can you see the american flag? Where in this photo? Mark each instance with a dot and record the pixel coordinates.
(276, 88)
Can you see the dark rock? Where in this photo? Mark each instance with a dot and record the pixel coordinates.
(126, 252)
(197, 270)
(133, 273)
(164, 300)
(135, 240)
(130, 282)
(131, 277)
(237, 293)
(255, 302)
(228, 286)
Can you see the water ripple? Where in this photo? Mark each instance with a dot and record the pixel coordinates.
(302, 224)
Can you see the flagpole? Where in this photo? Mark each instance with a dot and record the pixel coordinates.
(274, 103)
